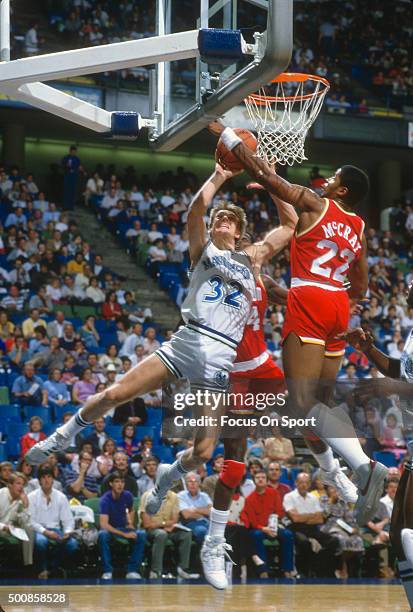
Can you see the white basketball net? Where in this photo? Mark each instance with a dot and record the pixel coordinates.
(282, 114)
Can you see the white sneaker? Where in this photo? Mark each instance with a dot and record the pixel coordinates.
(213, 554)
(158, 494)
(40, 452)
(154, 575)
(106, 576)
(346, 489)
(186, 575)
(133, 576)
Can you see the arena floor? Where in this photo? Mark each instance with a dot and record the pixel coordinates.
(202, 598)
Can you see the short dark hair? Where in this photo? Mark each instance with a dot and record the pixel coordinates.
(357, 183)
(44, 470)
(260, 472)
(115, 476)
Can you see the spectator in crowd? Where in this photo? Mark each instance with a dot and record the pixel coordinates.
(14, 512)
(274, 474)
(57, 391)
(195, 507)
(105, 458)
(32, 322)
(258, 508)
(53, 357)
(53, 524)
(56, 327)
(150, 343)
(129, 443)
(148, 468)
(111, 309)
(306, 514)
(84, 387)
(29, 389)
(98, 437)
(80, 483)
(71, 167)
(6, 468)
(209, 483)
(89, 335)
(33, 436)
(121, 465)
(117, 518)
(160, 528)
(111, 357)
(278, 448)
(68, 339)
(134, 339)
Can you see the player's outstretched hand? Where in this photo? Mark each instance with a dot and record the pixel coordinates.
(258, 185)
(358, 338)
(227, 174)
(216, 128)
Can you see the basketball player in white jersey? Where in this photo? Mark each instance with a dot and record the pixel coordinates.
(399, 380)
(215, 311)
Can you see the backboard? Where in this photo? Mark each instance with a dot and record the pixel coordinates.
(187, 94)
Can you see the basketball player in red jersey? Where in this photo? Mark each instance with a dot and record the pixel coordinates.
(328, 246)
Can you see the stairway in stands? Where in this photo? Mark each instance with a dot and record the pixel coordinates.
(147, 292)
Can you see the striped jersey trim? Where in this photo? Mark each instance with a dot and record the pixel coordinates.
(320, 218)
(168, 363)
(308, 340)
(303, 282)
(211, 333)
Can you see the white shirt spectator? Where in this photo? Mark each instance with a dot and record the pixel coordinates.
(188, 501)
(131, 342)
(388, 503)
(155, 235)
(108, 201)
(409, 222)
(96, 294)
(308, 504)
(167, 200)
(31, 42)
(53, 515)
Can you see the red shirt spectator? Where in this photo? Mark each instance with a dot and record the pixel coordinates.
(259, 506)
(111, 309)
(34, 436)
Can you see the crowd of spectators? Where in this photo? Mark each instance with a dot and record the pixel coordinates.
(337, 40)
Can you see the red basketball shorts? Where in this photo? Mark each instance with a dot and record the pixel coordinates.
(317, 316)
(249, 389)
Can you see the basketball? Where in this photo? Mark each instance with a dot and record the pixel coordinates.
(227, 159)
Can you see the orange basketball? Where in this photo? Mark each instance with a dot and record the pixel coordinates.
(227, 159)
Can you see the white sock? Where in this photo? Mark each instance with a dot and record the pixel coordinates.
(406, 576)
(333, 422)
(218, 520)
(325, 460)
(73, 426)
(177, 470)
(407, 543)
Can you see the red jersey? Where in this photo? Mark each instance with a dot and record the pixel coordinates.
(322, 255)
(252, 350)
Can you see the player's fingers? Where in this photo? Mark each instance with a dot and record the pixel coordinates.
(254, 186)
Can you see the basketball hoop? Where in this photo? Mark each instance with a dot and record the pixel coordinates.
(283, 112)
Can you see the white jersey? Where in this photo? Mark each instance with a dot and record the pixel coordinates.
(220, 295)
(406, 359)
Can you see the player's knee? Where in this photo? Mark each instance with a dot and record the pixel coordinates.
(203, 450)
(232, 473)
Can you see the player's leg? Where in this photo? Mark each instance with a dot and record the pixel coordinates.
(303, 367)
(401, 531)
(205, 439)
(214, 549)
(147, 376)
(331, 472)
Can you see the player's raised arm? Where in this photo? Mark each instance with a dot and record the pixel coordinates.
(359, 274)
(279, 237)
(198, 208)
(297, 195)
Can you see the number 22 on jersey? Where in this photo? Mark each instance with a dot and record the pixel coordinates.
(337, 274)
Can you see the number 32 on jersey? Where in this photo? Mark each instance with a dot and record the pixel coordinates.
(218, 293)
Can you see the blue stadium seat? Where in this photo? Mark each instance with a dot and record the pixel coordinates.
(154, 417)
(11, 411)
(17, 430)
(3, 451)
(114, 431)
(59, 411)
(45, 413)
(164, 453)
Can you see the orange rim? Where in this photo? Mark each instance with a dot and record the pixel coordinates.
(292, 77)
